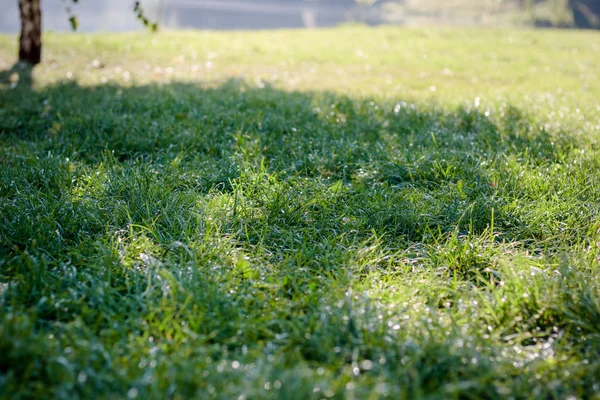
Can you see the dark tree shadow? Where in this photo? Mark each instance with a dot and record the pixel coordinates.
(431, 161)
(326, 172)
(20, 74)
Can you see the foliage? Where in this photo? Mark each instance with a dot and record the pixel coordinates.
(137, 10)
(139, 13)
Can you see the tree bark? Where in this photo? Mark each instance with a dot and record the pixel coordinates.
(30, 42)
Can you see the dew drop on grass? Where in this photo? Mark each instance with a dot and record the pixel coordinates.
(366, 365)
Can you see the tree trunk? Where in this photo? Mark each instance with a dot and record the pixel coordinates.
(30, 42)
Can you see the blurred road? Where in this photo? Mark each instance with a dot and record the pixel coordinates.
(116, 15)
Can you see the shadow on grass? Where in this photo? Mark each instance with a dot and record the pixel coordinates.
(412, 168)
(306, 177)
(233, 216)
(19, 74)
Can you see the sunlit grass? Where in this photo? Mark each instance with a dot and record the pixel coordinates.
(302, 214)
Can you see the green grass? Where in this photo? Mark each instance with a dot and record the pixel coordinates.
(348, 213)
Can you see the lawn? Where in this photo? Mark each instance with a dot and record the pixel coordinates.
(346, 213)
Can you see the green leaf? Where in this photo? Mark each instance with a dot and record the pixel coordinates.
(74, 22)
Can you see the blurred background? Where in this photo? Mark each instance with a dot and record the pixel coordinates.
(116, 15)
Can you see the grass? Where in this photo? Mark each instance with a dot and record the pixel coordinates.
(345, 213)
